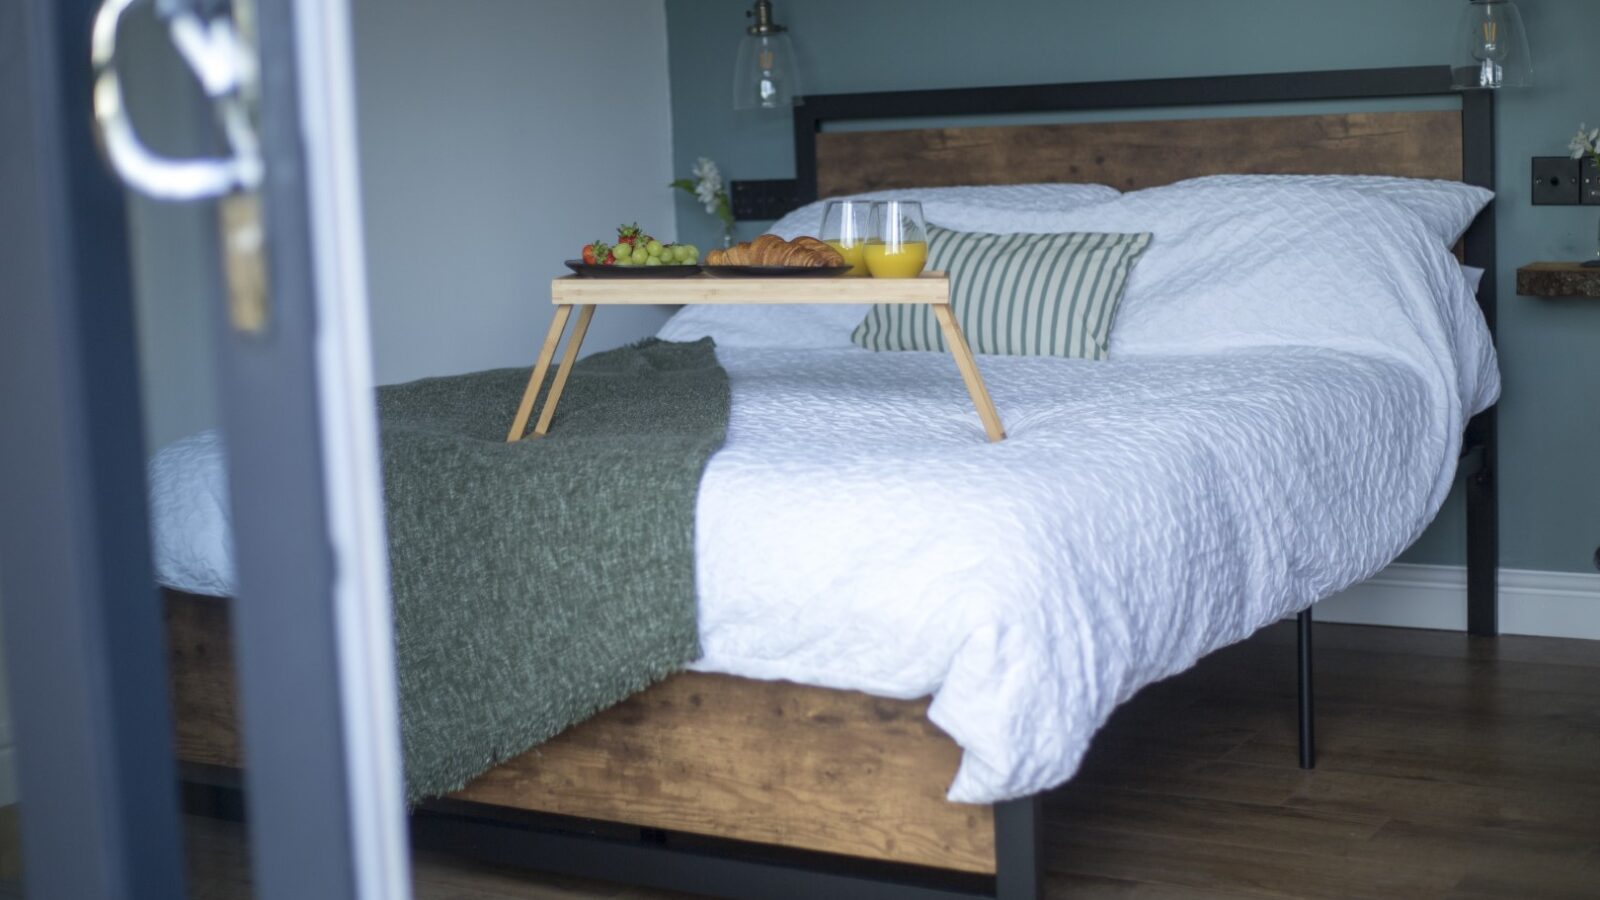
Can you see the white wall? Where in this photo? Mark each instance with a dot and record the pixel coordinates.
(497, 137)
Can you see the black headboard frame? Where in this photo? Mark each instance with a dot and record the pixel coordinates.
(1479, 453)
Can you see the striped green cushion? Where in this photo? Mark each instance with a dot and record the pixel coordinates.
(1016, 294)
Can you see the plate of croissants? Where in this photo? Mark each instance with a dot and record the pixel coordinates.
(771, 256)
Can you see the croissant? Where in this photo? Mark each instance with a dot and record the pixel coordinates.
(771, 250)
(819, 247)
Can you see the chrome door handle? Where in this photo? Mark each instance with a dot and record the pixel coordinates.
(225, 66)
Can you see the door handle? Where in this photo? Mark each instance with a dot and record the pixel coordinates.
(225, 65)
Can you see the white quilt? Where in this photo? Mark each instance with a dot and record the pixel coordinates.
(1281, 417)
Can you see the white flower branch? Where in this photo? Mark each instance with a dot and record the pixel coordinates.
(708, 187)
(1585, 143)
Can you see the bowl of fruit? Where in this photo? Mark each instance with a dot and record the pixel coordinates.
(636, 255)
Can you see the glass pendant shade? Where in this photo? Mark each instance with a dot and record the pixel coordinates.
(764, 74)
(1492, 47)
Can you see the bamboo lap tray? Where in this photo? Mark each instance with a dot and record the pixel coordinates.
(932, 288)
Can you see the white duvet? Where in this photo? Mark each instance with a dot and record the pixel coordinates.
(1281, 416)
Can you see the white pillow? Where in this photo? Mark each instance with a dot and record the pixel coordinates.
(1240, 262)
(1474, 276)
(978, 208)
(1446, 207)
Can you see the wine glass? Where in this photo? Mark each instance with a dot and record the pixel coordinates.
(897, 243)
(844, 227)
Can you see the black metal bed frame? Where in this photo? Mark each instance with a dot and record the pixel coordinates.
(1479, 448)
(657, 859)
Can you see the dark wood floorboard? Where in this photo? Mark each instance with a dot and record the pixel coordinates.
(1450, 767)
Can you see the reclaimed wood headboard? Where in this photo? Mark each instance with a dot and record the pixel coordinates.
(1454, 143)
(1133, 155)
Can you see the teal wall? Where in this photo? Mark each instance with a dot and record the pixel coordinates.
(1550, 350)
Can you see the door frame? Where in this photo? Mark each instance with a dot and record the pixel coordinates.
(84, 626)
(311, 612)
(84, 632)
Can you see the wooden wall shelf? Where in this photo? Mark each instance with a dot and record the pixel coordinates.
(1558, 279)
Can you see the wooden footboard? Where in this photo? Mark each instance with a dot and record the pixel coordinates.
(770, 762)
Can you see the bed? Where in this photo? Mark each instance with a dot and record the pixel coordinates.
(877, 697)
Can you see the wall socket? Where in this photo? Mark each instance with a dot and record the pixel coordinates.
(762, 200)
(1556, 181)
(1564, 181)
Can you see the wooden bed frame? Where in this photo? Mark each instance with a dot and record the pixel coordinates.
(744, 788)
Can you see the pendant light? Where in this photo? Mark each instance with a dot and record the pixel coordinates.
(1492, 47)
(765, 75)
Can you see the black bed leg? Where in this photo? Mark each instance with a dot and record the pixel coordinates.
(1483, 546)
(1308, 737)
(1019, 849)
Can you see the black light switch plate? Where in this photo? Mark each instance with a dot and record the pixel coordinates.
(1555, 181)
(762, 200)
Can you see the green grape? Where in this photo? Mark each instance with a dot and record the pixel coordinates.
(692, 251)
(653, 261)
(622, 251)
(654, 247)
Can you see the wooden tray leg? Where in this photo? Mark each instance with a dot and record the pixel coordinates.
(536, 380)
(969, 371)
(579, 329)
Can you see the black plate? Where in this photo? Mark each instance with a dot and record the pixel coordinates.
(775, 271)
(586, 270)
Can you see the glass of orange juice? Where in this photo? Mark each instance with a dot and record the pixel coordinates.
(897, 242)
(844, 227)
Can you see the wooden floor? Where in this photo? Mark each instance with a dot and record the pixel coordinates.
(1450, 768)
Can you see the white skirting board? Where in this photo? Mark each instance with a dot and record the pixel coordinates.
(1548, 604)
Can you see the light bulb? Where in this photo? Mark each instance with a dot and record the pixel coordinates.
(765, 75)
(1497, 46)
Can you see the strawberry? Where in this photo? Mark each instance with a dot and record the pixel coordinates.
(611, 258)
(631, 234)
(588, 254)
(595, 254)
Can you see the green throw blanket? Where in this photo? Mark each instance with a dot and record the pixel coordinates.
(537, 583)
